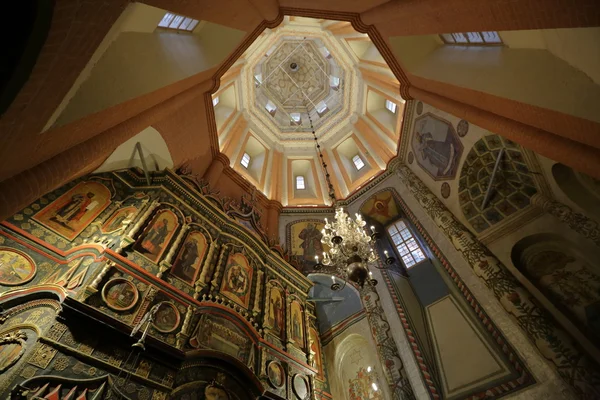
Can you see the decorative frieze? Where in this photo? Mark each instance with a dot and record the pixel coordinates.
(388, 353)
(578, 222)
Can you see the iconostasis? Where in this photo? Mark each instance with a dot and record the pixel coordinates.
(81, 266)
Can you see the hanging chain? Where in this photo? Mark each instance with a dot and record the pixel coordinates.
(323, 164)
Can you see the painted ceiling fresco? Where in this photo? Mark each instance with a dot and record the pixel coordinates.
(512, 188)
(436, 146)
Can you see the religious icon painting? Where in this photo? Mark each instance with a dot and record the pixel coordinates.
(276, 374)
(167, 318)
(72, 212)
(381, 207)
(300, 386)
(306, 243)
(16, 268)
(155, 239)
(12, 348)
(237, 279)
(437, 147)
(275, 311)
(120, 294)
(296, 324)
(118, 220)
(188, 262)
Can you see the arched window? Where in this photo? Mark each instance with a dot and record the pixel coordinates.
(407, 246)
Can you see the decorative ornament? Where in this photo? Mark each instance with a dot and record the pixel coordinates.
(16, 268)
(300, 386)
(12, 348)
(276, 374)
(445, 190)
(120, 294)
(411, 157)
(419, 108)
(462, 128)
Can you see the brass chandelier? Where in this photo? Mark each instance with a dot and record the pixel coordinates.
(351, 249)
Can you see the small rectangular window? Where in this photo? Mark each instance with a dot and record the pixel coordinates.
(270, 106)
(185, 24)
(258, 78)
(325, 52)
(472, 38)
(295, 117)
(178, 22)
(358, 162)
(300, 182)
(391, 106)
(245, 160)
(334, 81)
(166, 20)
(321, 107)
(215, 101)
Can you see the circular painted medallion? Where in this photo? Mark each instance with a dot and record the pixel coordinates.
(300, 386)
(119, 294)
(462, 128)
(16, 268)
(167, 318)
(445, 190)
(411, 157)
(276, 374)
(419, 108)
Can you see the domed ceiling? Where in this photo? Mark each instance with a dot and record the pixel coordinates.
(307, 75)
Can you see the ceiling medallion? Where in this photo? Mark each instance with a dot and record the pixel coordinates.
(351, 248)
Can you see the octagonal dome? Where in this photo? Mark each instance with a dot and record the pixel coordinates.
(297, 76)
(307, 75)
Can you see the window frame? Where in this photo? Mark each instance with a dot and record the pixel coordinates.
(245, 157)
(300, 178)
(390, 104)
(405, 242)
(468, 39)
(354, 161)
(192, 23)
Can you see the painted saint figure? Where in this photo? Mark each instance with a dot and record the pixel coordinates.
(156, 236)
(118, 221)
(311, 242)
(438, 153)
(73, 209)
(237, 279)
(185, 266)
(276, 315)
(297, 333)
